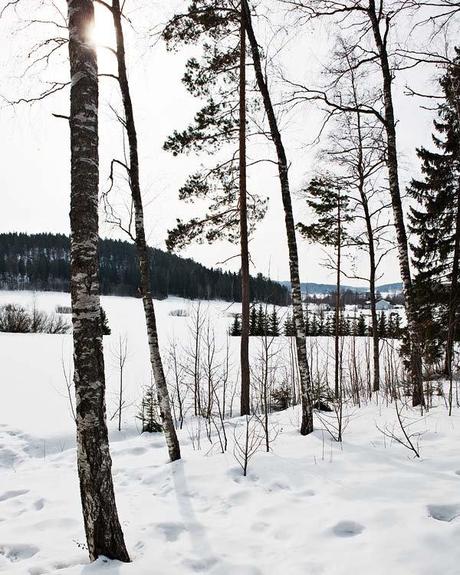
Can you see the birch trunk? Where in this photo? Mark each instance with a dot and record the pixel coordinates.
(103, 531)
(141, 244)
(398, 214)
(244, 350)
(306, 426)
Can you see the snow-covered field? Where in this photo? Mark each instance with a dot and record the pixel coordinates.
(309, 507)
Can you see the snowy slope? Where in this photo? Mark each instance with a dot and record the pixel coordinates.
(309, 507)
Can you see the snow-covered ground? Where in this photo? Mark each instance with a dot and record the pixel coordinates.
(310, 506)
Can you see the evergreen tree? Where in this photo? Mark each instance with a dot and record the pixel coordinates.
(289, 327)
(360, 326)
(218, 77)
(274, 323)
(314, 326)
(105, 323)
(436, 221)
(382, 325)
(328, 202)
(148, 413)
(261, 322)
(236, 326)
(253, 321)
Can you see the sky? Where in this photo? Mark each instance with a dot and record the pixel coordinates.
(35, 154)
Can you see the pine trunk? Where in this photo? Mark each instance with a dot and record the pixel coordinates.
(141, 244)
(103, 531)
(337, 303)
(244, 350)
(306, 426)
(398, 214)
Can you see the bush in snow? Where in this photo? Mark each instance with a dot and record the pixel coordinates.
(17, 319)
(179, 313)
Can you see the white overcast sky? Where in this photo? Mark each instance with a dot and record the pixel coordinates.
(34, 147)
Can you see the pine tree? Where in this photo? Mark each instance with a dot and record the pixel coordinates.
(219, 77)
(327, 200)
(436, 221)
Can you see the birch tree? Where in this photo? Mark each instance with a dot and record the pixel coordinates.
(132, 170)
(103, 531)
(306, 426)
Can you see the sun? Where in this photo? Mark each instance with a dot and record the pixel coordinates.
(102, 34)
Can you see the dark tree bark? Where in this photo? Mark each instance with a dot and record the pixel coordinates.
(306, 426)
(372, 290)
(398, 214)
(337, 302)
(453, 301)
(371, 247)
(244, 350)
(453, 295)
(141, 244)
(103, 531)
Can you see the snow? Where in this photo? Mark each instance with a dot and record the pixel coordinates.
(311, 506)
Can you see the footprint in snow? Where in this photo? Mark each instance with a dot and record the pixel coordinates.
(11, 494)
(171, 531)
(445, 513)
(18, 552)
(39, 504)
(347, 529)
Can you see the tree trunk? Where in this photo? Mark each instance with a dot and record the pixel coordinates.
(398, 214)
(337, 302)
(141, 244)
(453, 298)
(306, 426)
(244, 350)
(372, 262)
(103, 531)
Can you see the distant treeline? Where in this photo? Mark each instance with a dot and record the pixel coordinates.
(42, 262)
(265, 322)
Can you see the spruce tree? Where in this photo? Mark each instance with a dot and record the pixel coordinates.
(253, 321)
(435, 221)
(274, 323)
(289, 327)
(382, 325)
(236, 326)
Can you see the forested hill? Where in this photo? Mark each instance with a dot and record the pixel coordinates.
(42, 262)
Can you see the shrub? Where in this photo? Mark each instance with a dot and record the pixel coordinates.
(179, 313)
(15, 318)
